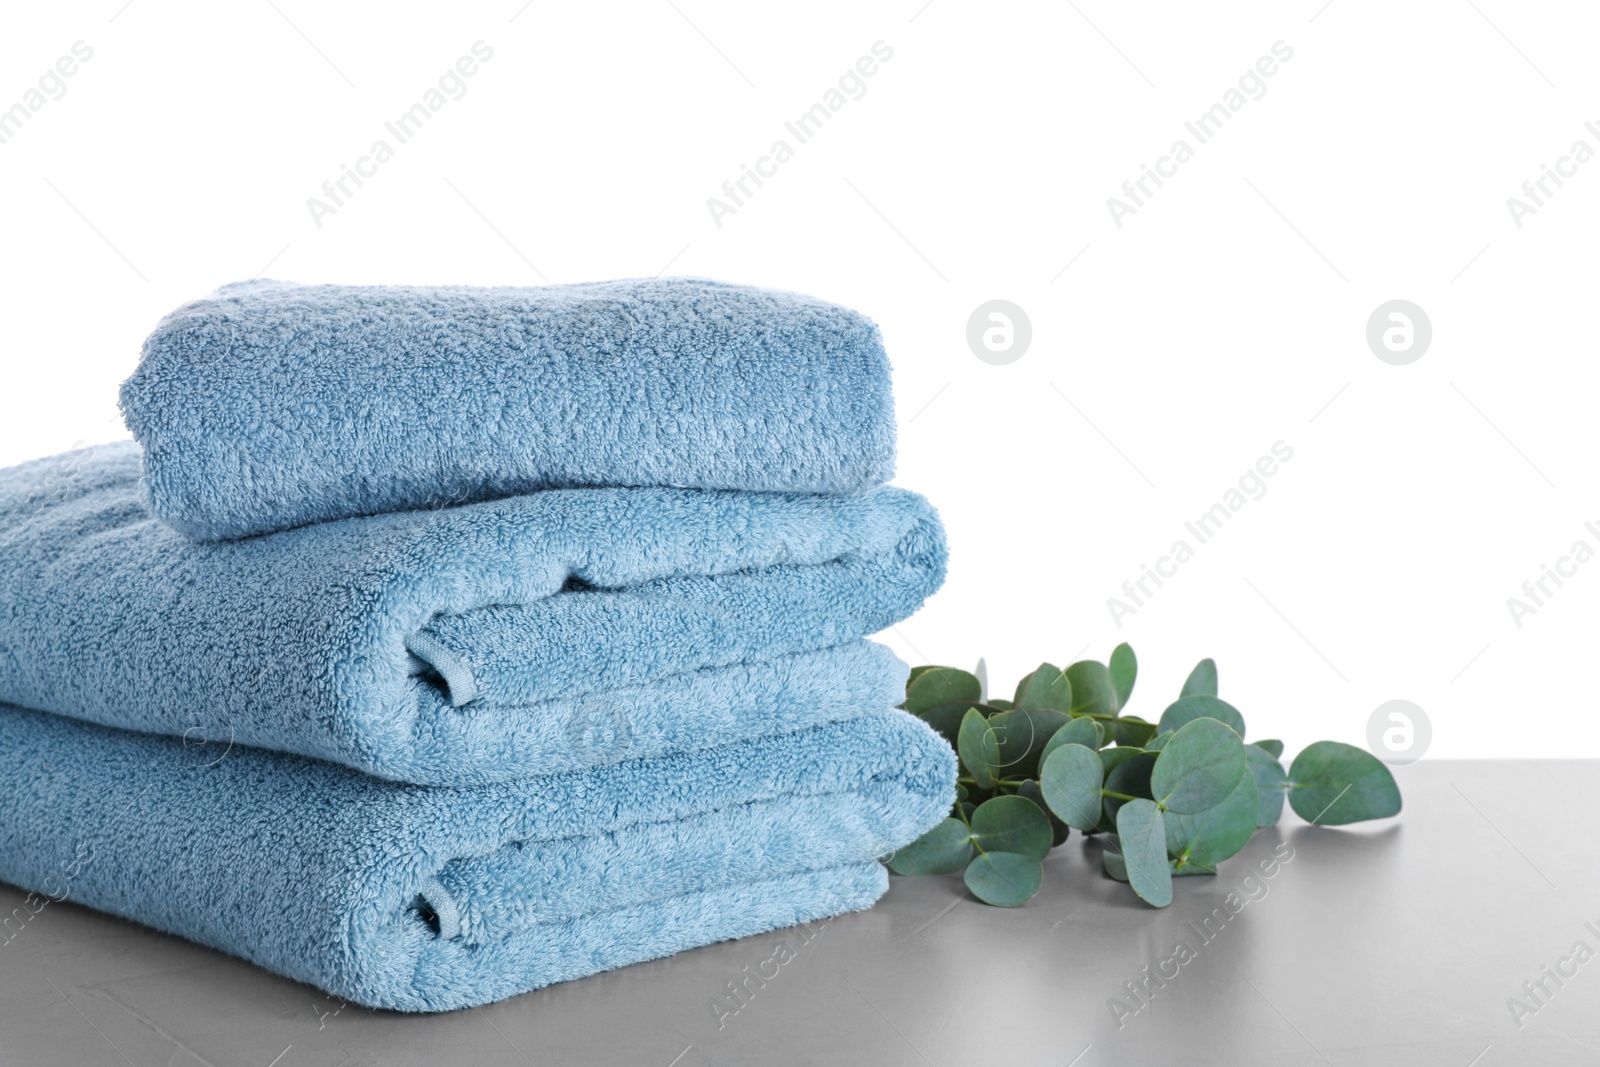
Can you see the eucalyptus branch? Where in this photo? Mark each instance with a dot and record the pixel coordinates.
(1173, 797)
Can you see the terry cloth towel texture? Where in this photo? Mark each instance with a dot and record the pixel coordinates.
(473, 644)
(269, 405)
(428, 899)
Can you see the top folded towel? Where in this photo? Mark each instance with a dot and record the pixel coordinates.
(269, 405)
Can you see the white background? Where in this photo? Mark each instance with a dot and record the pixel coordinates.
(1227, 314)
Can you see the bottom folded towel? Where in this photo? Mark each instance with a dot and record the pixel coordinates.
(428, 899)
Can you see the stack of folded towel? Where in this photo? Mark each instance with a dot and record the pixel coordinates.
(434, 645)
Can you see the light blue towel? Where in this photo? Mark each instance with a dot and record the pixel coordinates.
(269, 405)
(467, 645)
(427, 899)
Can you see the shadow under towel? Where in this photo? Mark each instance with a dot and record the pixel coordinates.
(427, 899)
(471, 644)
(269, 405)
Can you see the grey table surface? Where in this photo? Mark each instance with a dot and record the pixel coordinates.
(1402, 942)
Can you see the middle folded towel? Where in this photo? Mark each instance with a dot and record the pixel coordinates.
(473, 644)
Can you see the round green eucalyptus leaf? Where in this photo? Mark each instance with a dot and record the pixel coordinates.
(1001, 705)
(1271, 785)
(1012, 824)
(978, 748)
(1131, 776)
(1208, 837)
(1092, 692)
(1058, 829)
(1111, 860)
(1070, 781)
(1142, 837)
(1331, 783)
(1046, 687)
(946, 720)
(943, 850)
(1110, 758)
(930, 686)
(1124, 669)
(1130, 731)
(1159, 741)
(940, 696)
(918, 672)
(1022, 683)
(1199, 766)
(1085, 732)
(1185, 710)
(1272, 747)
(1202, 681)
(1004, 879)
(1021, 735)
